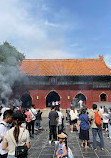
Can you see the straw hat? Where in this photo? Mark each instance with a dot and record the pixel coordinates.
(62, 135)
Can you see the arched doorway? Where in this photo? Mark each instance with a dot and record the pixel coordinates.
(26, 100)
(103, 97)
(80, 100)
(52, 97)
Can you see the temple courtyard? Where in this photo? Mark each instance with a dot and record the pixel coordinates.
(40, 147)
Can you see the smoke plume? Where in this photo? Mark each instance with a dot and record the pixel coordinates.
(9, 75)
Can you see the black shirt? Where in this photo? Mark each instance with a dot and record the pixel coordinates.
(53, 115)
(38, 117)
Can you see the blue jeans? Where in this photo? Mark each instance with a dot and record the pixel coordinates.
(100, 133)
(109, 127)
(37, 124)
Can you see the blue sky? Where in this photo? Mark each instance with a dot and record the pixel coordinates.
(57, 28)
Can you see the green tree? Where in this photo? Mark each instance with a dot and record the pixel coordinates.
(7, 50)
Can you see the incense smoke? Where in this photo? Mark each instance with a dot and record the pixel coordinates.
(9, 75)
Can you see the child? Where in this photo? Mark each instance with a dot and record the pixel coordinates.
(84, 127)
(62, 149)
(38, 119)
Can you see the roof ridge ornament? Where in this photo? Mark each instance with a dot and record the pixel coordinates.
(101, 57)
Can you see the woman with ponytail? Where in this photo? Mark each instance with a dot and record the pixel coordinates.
(16, 136)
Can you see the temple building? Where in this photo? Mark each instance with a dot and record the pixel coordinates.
(65, 80)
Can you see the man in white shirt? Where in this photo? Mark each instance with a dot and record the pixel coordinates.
(4, 126)
(34, 113)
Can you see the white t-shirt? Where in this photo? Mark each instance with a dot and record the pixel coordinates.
(23, 139)
(73, 114)
(60, 117)
(81, 103)
(101, 110)
(105, 118)
(33, 112)
(3, 129)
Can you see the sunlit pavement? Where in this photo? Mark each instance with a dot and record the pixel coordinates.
(40, 147)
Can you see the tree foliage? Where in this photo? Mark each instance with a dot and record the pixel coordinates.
(7, 50)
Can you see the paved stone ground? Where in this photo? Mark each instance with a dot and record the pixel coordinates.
(41, 149)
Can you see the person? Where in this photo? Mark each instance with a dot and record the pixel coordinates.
(2, 110)
(101, 109)
(53, 121)
(33, 112)
(84, 127)
(4, 127)
(28, 120)
(38, 119)
(60, 121)
(105, 120)
(16, 136)
(105, 109)
(62, 149)
(81, 103)
(73, 118)
(20, 109)
(67, 114)
(96, 129)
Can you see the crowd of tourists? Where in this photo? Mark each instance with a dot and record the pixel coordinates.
(98, 120)
(17, 126)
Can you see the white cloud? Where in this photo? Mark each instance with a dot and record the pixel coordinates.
(47, 23)
(27, 26)
(28, 33)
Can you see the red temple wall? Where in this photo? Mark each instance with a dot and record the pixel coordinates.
(92, 95)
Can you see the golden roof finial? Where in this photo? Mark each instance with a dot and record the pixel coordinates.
(101, 57)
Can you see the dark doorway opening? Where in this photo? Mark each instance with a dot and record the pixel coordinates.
(79, 100)
(103, 97)
(52, 97)
(26, 100)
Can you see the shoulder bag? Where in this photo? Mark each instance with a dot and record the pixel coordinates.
(20, 151)
(33, 113)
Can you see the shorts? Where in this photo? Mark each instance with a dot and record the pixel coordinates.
(105, 125)
(72, 122)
